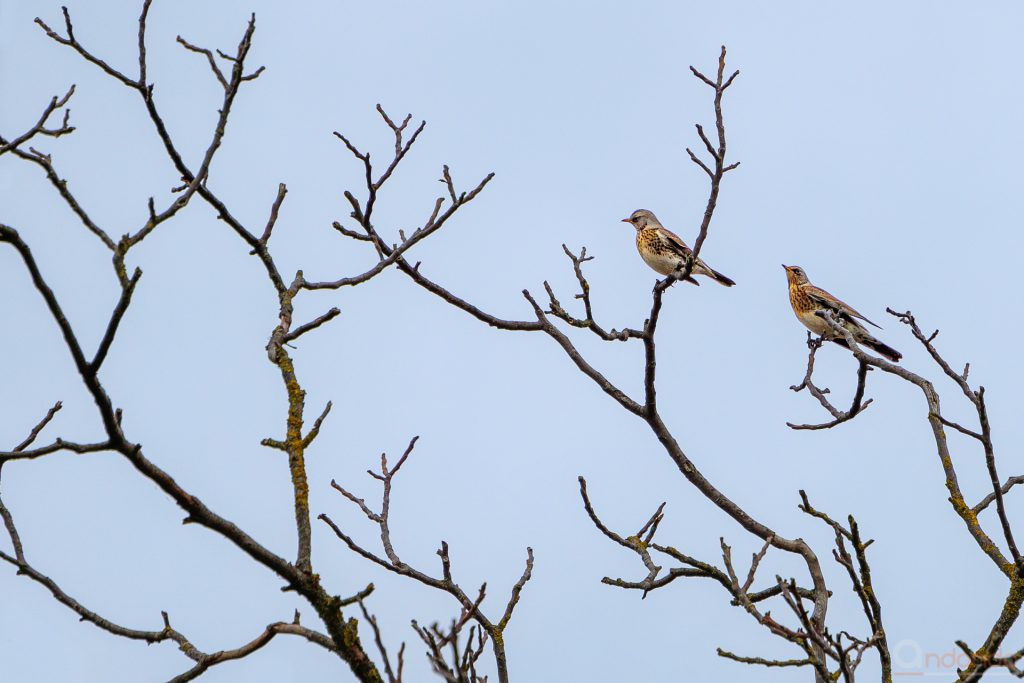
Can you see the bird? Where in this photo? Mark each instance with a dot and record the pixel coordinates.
(809, 301)
(665, 252)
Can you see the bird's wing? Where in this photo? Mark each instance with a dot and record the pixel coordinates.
(679, 246)
(844, 310)
(676, 243)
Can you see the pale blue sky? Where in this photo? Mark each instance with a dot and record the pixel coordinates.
(880, 148)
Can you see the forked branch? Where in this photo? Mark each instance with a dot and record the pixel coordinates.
(471, 609)
(840, 416)
(985, 657)
(647, 409)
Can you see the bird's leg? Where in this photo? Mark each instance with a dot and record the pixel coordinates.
(814, 343)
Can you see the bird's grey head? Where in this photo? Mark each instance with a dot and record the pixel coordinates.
(795, 274)
(642, 218)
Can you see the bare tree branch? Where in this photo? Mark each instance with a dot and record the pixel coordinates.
(203, 661)
(555, 307)
(648, 409)
(40, 127)
(1004, 489)
(218, 74)
(393, 562)
(388, 670)
(462, 666)
(859, 404)
(806, 661)
(298, 576)
(1013, 568)
(718, 154)
(860, 578)
(452, 658)
(40, 426)
(282, 190)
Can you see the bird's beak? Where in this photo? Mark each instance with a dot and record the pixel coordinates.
(785, 266)
(626, 220)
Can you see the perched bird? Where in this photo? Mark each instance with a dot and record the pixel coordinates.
(808, 301)
(663, 251)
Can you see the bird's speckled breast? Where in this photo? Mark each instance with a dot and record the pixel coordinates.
(804, 308)
(654, 253)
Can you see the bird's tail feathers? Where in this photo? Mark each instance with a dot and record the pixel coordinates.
(887, 351)
(875, 345)
(721, 279)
